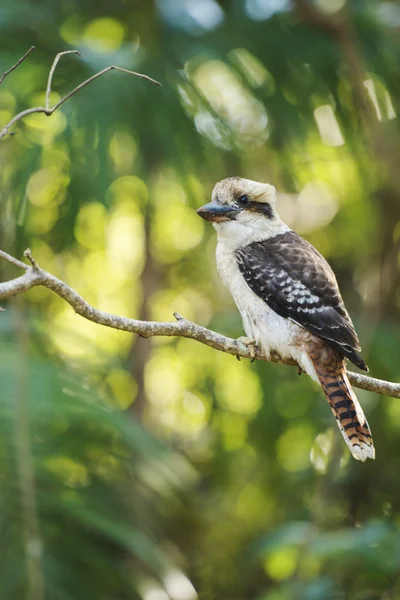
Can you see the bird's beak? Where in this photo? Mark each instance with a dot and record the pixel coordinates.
(216, 211)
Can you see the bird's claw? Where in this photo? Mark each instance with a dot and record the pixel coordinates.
(250, 343)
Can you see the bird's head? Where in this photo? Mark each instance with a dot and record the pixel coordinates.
(242, 207)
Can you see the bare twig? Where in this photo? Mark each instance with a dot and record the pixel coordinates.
(35, 276)
(28, 255)
(52, 70)
(31, 49)
(14, 261)
(99, 74)
(47, 110)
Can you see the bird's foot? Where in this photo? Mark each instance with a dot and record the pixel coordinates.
(299, 370)
(250, 343)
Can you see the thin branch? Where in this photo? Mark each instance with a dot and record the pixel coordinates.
(99, 74)
(52, 70)
(14, 261)
(47, 110)
(35, 276)
(31, 49)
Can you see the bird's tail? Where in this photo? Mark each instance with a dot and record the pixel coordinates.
(345, 407)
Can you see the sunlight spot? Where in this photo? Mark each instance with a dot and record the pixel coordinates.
(169, 378)
(253, 69)
(123, 388)
(56, 156)
(389, 14)
(191, 15)
(318, 204)
(125, 241)
(260, 10)
(282, 563)
(152, 591)
(194, 407)
(89, 342)
(176, 229)
(46, 186)
(70, 472)
(288, 209)
(128, 190)
(207, 14)
(104, 35)
(122, 150)
(43, 130)
(237, 386)
(293, 448)
(321, 450)
(369, 84)
(90, 226)
(41, 220)
(328, 126)
(70, 30)
(162, 377)
(380, 99)
(391, 113)
(234, 116)
(190, 303)
(330, 6)
(178, 586)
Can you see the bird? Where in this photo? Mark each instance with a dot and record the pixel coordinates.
(288, 297)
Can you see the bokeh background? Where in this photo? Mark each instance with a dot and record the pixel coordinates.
(162, 469)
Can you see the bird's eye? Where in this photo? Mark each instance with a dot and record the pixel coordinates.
(244, 200)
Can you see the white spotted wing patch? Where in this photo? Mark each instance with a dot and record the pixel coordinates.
(298, 284)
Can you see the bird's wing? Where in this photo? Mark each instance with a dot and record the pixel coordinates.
(295, 280)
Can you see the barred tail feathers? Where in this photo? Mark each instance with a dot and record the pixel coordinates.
(346, 409)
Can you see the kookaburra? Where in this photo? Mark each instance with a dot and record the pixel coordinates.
(288, 297)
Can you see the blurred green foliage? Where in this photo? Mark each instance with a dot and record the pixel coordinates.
(162, 469)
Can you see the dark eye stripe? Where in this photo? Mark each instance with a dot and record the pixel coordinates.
(260, 207)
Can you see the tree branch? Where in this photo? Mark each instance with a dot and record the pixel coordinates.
(31, 49)
(35, 276)
(47, 110)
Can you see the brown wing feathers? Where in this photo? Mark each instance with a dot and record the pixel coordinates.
(296, 282)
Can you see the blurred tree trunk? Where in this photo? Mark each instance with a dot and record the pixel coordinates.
(141, 348)
(35, 584)
(383, 146)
